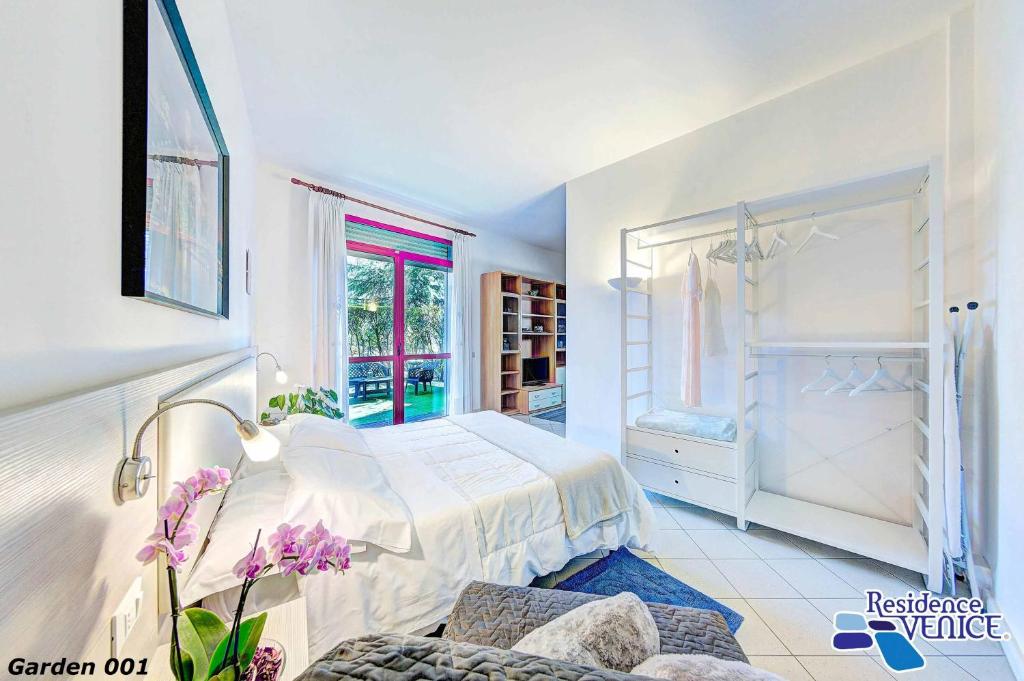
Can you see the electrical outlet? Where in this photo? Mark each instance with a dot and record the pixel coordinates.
(125, 617)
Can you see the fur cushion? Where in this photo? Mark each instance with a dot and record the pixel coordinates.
(702, 668)
(612, 633)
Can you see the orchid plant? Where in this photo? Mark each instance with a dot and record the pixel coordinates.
(203, 648)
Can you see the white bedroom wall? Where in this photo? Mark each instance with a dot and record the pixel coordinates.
(883, 114)
(66, 327)
(999, 205)
(282, 292)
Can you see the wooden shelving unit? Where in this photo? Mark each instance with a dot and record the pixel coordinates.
(521, 317)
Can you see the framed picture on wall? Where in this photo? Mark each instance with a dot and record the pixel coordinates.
(174, 205)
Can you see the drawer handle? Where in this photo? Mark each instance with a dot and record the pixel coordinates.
(677, 482)
(676, 451)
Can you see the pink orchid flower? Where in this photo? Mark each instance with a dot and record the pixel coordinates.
(322, 555)
(175, 509)
(285, 541)
(318, 534)
(213, 479)
(251, 565)
(343, 558)
(158, 544)
(185, 535)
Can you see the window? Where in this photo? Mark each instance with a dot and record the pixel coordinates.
(397, 283)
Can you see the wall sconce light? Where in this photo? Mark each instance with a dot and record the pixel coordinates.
(620, 283)
(135, 472)
(279, 375)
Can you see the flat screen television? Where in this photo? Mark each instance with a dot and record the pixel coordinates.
(536, 371)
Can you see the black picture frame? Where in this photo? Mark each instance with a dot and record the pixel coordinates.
(135, 153)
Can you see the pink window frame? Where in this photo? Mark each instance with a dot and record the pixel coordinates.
(398, 358)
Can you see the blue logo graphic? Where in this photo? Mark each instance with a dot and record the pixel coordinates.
(893, 624)
(856, 632)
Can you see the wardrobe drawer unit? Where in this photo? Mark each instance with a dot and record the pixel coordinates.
(703, 490)
(708, 456)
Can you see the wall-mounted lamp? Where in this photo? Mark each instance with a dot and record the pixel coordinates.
(619, 283)
(135, 472)
(280, 376)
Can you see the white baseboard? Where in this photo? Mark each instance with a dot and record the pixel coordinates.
(1011, 646)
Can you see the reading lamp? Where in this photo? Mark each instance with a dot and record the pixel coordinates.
(135, 472)
(280, 376)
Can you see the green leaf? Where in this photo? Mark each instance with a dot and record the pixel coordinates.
(186, 662)
(226, 675)
(293, 402)
(333, 395)
(248, 638)
(199, 632)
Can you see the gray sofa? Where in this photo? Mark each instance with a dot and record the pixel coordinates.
(487, 620)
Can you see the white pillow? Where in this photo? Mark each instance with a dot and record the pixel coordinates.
(310, 430)
(349, 492)
(612, 633)
(700, 668)
(251, 504)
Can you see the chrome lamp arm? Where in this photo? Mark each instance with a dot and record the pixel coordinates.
(135, 472)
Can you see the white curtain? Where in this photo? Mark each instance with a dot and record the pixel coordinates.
(460, 328)
(327, 268)
(182, 260)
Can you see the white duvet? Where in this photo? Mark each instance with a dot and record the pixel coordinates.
(479, 512)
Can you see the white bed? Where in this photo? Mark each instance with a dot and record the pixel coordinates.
(481, 508)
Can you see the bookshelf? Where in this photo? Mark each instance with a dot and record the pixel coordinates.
(522, 317)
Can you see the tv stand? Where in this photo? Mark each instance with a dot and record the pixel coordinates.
(534, 398)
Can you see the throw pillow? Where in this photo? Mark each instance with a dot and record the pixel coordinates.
(612, 633)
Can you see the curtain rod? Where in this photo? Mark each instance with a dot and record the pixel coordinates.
(324, 190)
(183, 160)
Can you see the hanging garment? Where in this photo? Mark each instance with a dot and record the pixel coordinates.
(951, 440)
(692, 294)
(714, 330)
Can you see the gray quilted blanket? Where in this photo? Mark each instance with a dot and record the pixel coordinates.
(498, 615)
(400, 657)
(488, 619)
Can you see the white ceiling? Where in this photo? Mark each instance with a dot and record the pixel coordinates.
(480, 110)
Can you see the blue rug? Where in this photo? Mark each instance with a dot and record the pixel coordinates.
(557, 415)
(622, 571)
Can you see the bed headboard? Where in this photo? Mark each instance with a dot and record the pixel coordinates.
(67, 550)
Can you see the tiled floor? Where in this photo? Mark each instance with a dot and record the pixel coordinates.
(553, 426)
(787, 590)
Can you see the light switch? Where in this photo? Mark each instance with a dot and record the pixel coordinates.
(125, 617)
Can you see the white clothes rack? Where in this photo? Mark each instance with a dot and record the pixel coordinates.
(680, 466)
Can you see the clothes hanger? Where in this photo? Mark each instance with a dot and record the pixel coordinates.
(854, 379)
(773, 247)
(813, 233)
(754, 248)
(828, 374)
(875, 382)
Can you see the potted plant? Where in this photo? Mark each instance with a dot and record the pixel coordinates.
(322, 402)
(203, 648)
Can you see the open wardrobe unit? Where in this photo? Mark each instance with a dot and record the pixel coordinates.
(782, 362)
